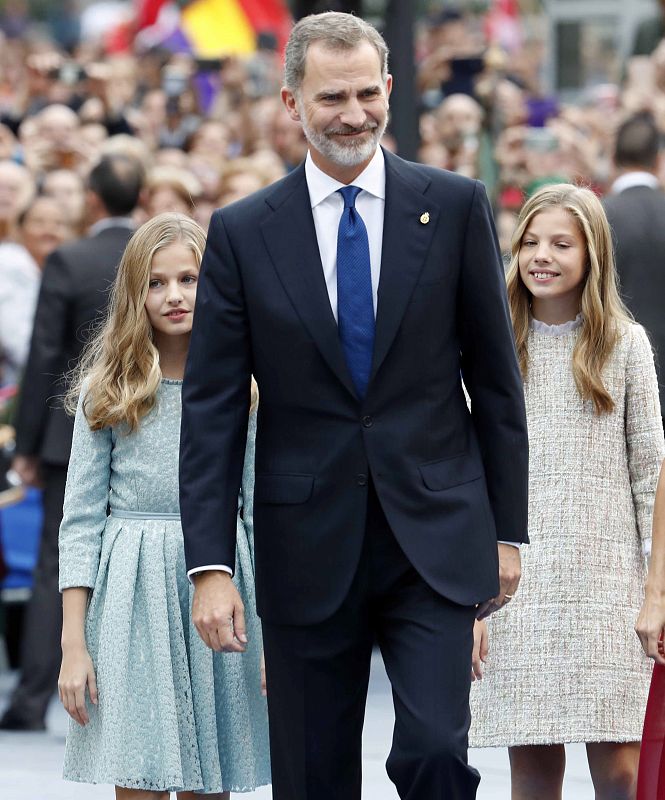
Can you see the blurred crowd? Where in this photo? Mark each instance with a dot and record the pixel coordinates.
(208, 132)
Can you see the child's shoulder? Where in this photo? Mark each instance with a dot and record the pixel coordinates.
(632, 335)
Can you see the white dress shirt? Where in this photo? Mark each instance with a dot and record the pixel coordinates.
(327, 207)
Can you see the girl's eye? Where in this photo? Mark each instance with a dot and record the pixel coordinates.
(528, 243)
(189, 279)
(563, 245)
(153, 284)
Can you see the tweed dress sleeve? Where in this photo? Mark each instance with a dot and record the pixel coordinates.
(86, 500)
(247, 493)
(644, 429)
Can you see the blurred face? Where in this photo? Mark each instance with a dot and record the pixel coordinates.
(552, 262)
(342, 105)
(67, 188)
(44, 228)
(15, 190)
(164, 198)
(58, 124)
(239, 186)
(172, 291)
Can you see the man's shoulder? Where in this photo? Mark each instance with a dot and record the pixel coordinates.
(634, 197)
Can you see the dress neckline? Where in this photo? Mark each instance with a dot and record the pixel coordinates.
(556, 330)
(172, 381)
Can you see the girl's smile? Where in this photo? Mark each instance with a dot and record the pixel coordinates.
(552, 263)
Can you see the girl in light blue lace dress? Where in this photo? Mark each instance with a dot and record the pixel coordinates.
(154, 710)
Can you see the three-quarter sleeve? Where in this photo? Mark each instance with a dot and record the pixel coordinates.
(644, 429)
(86, 501)
(247, 494)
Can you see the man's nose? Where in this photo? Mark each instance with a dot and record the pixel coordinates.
(353, 113)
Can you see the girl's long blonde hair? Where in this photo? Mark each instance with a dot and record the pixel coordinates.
(120, 365)
(601, 306)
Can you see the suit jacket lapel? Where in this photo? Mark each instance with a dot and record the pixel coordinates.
(407, 236)
(290, 239)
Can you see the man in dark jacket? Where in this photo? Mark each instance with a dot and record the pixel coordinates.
(73, 296)
(636, 211)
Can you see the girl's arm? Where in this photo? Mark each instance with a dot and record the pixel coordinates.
(83, 522)
(644, 429)
(651, 622)
(76, 671)
(86, 501)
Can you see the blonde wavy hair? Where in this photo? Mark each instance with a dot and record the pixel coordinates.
(602, 309)
(120, 365)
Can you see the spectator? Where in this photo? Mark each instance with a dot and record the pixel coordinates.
(68, 188)
(73, 293)
(171, 189)
(16, 188)
(635, 208)
(41, 227)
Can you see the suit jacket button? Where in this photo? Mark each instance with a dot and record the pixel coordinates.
(368, 422)
(362, 480)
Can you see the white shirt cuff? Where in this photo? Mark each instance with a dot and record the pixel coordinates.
(646, 547)
(513, 544)
(209, 568)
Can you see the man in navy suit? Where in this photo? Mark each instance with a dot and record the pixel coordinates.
(358, 291)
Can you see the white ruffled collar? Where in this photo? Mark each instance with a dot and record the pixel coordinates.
(556, 330)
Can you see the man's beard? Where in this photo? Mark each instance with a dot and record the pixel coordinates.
(353, 152)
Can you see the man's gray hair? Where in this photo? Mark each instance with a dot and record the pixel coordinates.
(336, 31)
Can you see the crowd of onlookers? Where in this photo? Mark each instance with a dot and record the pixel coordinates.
(208, 133)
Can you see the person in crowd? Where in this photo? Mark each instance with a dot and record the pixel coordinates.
(635, 209)
(73, 295)
(650, 628)
(67, 187)
(239, 179)
(375, 519)
(17, 186)
(154, 710)
(563, 664)
(40, 228)
(170, 189)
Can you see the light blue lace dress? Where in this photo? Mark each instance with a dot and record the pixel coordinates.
(172, 715)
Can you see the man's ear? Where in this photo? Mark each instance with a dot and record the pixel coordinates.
(289, 100)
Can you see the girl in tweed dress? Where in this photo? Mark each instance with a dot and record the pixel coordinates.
(564, 664)
(153, 709)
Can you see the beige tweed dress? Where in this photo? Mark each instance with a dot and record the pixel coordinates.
(565, 664)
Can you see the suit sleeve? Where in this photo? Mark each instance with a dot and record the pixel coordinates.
(491, 373)
(46, 360)
(216, 400)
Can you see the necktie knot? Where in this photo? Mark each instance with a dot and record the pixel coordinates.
(349, 194)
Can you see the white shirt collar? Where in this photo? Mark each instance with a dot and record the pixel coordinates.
(372, 179)
(631, 179)
(111, 222)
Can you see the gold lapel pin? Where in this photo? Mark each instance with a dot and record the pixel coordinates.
(424, 218)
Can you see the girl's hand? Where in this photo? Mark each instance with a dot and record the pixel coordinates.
(264, 690)
(651, 624)
(77, 672)
(481, 643)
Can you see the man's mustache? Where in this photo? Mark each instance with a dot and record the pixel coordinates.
(348, 129)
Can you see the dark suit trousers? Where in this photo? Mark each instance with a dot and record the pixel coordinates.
(40, 644)
(317, 679)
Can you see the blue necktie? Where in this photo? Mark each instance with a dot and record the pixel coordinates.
(355, 307)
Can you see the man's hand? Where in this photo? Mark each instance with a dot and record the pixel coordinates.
(218, 612)
(510, 571)
(27, 468)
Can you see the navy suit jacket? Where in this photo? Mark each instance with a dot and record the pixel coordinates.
(450, 482)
